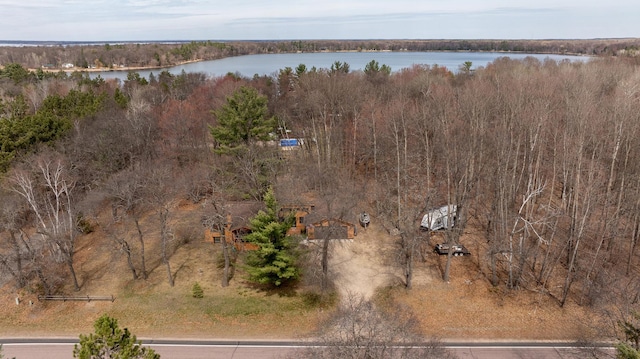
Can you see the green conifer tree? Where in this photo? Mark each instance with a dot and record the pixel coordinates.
(196, 291)
(630, 348)
(241, 121)
(274, 262)
(109, 341)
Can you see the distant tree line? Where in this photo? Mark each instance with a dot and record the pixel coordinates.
(157, 55)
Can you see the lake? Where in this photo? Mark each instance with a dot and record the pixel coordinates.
(269, 64)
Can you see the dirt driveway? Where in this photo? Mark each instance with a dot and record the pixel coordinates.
(367, 262)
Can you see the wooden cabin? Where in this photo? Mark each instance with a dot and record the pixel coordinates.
(299, 212)
(233, 236)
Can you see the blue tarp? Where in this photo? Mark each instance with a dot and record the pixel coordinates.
(288, 142)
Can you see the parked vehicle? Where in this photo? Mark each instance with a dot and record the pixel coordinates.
(457, 249)
(439, 218)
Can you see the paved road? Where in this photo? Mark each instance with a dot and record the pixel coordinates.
(534, 350)
(62, 348)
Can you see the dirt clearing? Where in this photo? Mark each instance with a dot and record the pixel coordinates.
(364, 264)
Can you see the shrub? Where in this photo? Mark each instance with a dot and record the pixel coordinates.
(196, 291)
(84, 225)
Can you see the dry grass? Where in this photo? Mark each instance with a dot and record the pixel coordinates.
(154, 309)
(466, 308)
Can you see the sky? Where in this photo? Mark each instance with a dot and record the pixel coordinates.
(159, 20)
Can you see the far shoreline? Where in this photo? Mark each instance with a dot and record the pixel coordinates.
(114, 69)
(149, 68)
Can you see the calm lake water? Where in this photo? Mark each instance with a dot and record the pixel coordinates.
(269, 64)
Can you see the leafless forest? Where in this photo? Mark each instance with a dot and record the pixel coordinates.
(540, 157)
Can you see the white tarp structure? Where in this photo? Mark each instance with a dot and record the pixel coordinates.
(439, 218)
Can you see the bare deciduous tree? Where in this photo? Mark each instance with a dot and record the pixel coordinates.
(47, 190)
(215, 219)
(358, 329)
(127, 193)
(15, 255)
(160, 195)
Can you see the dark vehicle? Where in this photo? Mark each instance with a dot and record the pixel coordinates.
(458, 249)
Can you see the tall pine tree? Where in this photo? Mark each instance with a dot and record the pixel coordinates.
(242, 121)
(274, 262)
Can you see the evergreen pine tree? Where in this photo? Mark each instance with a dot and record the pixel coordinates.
(241, 121)
(196, 291)
(274, 262)
(109, 341)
